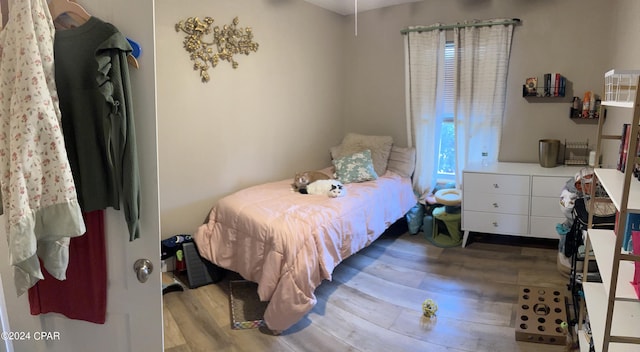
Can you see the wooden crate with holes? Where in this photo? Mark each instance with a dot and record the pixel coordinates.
(540, 315)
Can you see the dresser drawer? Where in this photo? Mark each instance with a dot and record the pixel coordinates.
(546, 206)
(548, 186)
(495, 183)
(496, 203)
(508, 224)
(545, 227)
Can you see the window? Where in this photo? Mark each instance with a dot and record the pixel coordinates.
(445, 127)
(446, 150)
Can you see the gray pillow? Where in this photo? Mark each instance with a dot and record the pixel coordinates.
(380, 147)
(402, 161)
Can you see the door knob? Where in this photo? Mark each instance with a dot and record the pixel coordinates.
(143, 268)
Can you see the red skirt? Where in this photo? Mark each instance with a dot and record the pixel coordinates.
(83, 295)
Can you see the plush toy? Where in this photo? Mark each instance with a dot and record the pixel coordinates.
(429, 308)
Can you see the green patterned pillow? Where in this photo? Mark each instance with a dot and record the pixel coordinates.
(357, 167)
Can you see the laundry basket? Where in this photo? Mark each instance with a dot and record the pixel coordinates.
(584, 183)
(621, 85)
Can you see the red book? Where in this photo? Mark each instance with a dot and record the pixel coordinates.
(619, 165)
(636, 166)
(624, 146)
(556, 87)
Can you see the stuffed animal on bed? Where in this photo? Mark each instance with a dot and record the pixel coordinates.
(302, 179)
(330, 188)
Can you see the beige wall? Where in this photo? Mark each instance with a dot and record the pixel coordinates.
(624, 54)
(277, 113)
(571, 37)
(313, 80)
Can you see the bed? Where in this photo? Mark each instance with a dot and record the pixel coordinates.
(289, 242)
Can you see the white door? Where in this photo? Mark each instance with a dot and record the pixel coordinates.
(134, 310)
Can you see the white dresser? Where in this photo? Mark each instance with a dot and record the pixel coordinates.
(521, 199)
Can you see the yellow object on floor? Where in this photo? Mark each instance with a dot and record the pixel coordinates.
(429, 308)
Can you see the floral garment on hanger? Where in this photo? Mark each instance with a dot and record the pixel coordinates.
(38, 192)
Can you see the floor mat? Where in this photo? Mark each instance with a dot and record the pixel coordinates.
(247, 311)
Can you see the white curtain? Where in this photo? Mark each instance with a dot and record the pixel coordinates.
(481, 65)
(424, 55)
(482, 61)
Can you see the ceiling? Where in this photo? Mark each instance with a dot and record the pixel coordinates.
(347, 7)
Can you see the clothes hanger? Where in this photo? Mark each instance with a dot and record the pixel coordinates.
(4, 13)
(132, 58)
(73, 9)
(133, 61)
(80, 15)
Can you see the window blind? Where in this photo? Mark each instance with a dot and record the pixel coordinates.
(448, 95)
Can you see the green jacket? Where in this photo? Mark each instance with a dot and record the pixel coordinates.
(92, 78)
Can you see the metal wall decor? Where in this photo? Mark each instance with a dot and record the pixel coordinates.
(225, 43)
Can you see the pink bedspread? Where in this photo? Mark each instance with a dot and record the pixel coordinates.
(289, 242)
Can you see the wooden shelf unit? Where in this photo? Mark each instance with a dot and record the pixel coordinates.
(612, 306)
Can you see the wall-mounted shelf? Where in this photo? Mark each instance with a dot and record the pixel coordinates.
(575, 116)
(537, 92)
(553, 85)
(584, 121)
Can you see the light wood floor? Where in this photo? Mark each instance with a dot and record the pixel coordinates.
(374, 301)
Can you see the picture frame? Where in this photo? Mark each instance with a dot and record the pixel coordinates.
(531, 85)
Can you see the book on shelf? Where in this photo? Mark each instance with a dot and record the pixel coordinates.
(547, 84)
(632, 225)
(636, 165)
(554, 84)
(624, 146)
(625, 153)
(619, 163)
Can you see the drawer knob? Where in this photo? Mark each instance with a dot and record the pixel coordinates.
(495, 185)
(495, 224)
(495, 205)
